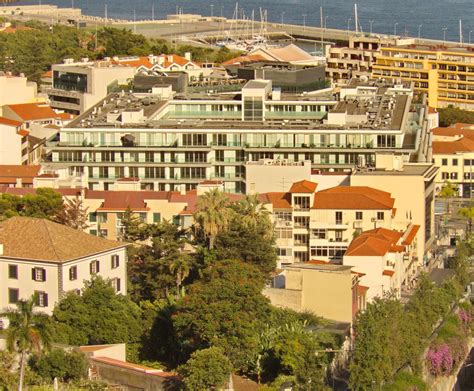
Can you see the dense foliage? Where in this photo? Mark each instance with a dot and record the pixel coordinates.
(97, 316)
(207, 369)
(32, 51)
(59, 364)
(452, 115)
(45, 203)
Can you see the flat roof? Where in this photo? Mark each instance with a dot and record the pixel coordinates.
(326, 268)
(414, 169)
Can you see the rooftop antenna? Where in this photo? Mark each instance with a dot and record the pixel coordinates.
(356, 18)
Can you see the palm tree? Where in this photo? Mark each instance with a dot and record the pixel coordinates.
(179, 266)
(468, 213)
(447, 192)
(253, 211)
(27, 331)
(212, 214)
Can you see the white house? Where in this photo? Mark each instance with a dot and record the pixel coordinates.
(13, 141)
(50, 259)
(384, 259)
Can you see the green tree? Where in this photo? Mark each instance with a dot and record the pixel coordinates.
(60, 364)
(8, 379)
(73, 214)
(207, 369)
(225, 308)
(468, 213)
(212, 214)
(452, 115)
(27, 332)
(447, 192)
(134, 228)
(180, 267)
(97, 316)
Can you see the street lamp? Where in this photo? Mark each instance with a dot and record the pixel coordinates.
(212, 10)
(304, 21)
(470, 32)
(371, 22)
(282, 15)
(444, 34)
(325, 22)
(348, 24)
(419, 30)
(395, 28)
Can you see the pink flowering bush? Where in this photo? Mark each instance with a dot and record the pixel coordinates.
(440, 360)
(464, 316)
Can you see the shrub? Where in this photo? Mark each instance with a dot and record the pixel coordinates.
(58, 363)
(440, 360)
(405, 381)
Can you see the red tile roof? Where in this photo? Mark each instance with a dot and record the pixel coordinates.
(10, 173)
(10, 122)
(33, 111)
(361, 290)
(303, 186)
(411, 235)
(244, 59)
(388, 273)
(464, 144)
(278, 200)
(376, 242)
(353, 197)
(135, 62)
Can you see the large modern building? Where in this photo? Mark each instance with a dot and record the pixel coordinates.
(77, 86)
(445, 74)
(176, 142)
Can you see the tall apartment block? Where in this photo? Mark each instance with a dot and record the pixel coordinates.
(176, 142)
(445, 74)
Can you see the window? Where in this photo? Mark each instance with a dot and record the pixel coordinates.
(444, 162)
(284, 233)
(284, 252)
(41, 299)
(319, 234)
(13, 272)
(73, 273)
(115, 284)
(13, 295)
(445, 175)
(455, 162)
(454, 175)
(359, 215)
(93, 232)
(156, 217)
(115, 261)
(94, 267)
(338, 217)
(103, 233)
(380, 216)
(467, 162)
(38, 274)
(93, 217)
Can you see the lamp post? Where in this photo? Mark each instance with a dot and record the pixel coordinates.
(325, 22)
(371, 22)
(348, 24)
(470, 32)
(419, 30)
(395, 28)
(212, 10)
(282, 16)
(444, 34)
(304, 21)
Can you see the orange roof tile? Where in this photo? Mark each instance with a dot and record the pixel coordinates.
(411, 235)
(455, 130)
(19, 171)
(244, 59)
(376, 242)
(353, 197)
(279, 200)
(33, 111)
(10, 122)
(317, 262)
(136, 63)
(388, 273)
(361, 290)
(47, 74)
(303, 186)
(451, 147)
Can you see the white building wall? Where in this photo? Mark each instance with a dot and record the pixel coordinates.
(10, 145)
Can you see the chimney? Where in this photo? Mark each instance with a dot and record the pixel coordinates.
(187, 56)
(170, 58)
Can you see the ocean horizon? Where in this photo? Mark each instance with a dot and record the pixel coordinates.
(432, 18)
